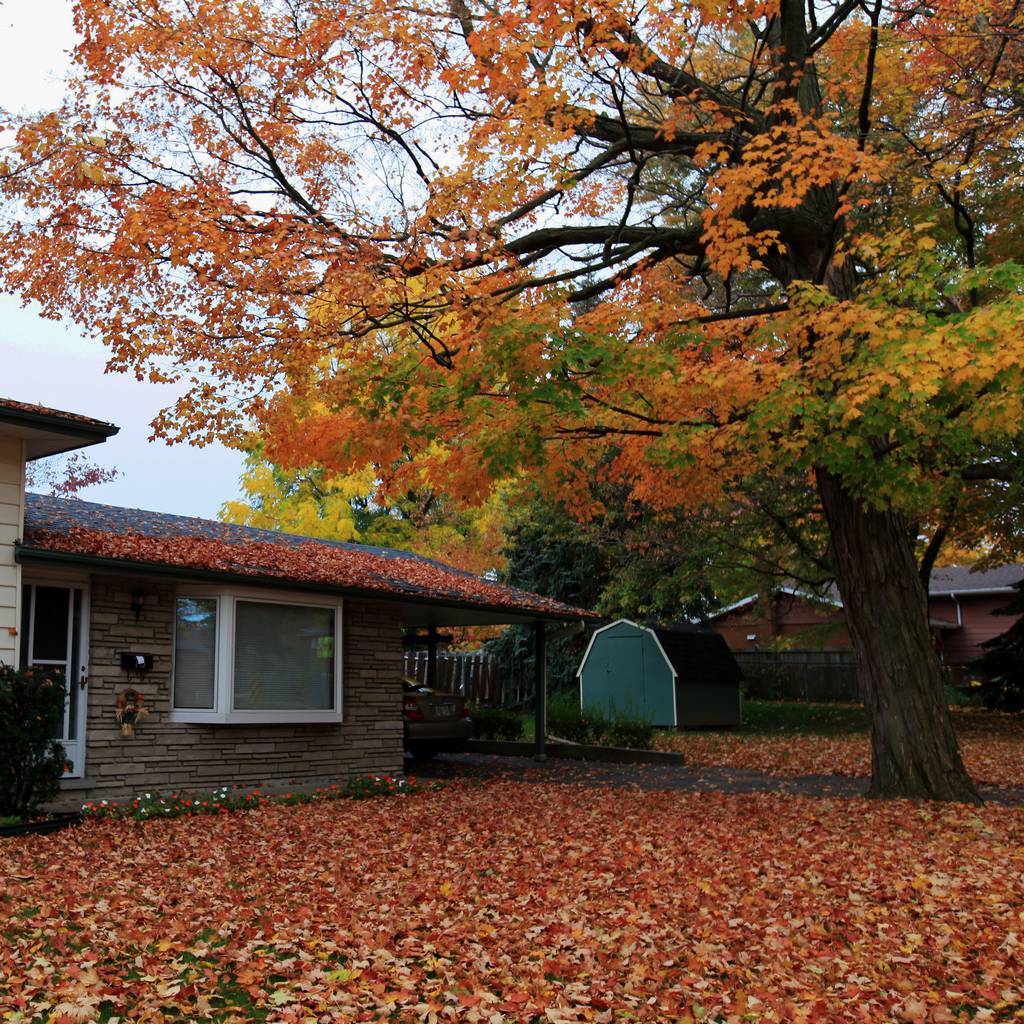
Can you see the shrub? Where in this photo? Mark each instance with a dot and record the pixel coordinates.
(626, 731)
(568, 721)
(31, 760)
(565, 718)
(496, 723)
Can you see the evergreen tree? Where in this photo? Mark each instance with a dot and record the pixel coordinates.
(1002, 664)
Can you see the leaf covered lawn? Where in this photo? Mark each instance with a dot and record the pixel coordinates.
(512, 902)
(992, 745)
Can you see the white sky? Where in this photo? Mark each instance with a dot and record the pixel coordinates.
(54, 364)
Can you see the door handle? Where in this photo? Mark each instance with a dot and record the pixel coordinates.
(83, 679)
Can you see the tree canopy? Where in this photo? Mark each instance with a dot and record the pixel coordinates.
(694, 243)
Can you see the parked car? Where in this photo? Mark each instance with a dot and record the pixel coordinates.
(433, 721)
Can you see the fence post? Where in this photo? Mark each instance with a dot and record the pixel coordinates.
(540, 678)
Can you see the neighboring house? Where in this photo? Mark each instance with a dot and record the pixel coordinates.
(261, 658)
(961, 603)
(673, 676)
(788, 613)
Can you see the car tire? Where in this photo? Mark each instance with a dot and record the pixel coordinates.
(422, 751)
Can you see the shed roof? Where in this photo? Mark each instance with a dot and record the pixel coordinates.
(695, 653)
(698, 655)
(107, 536)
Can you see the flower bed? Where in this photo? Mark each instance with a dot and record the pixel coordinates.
(226, 801)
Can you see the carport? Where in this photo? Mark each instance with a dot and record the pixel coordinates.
(425, 624)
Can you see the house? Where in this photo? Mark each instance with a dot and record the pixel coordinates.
(961, 603)
(260, 658)
(676, 677)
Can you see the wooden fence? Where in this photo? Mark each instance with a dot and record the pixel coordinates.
(811, 675)
(481, 678)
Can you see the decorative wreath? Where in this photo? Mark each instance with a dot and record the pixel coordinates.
(131, 708)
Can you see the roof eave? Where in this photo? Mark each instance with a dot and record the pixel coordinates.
(971, 591)
(24, 553)
(92, 431)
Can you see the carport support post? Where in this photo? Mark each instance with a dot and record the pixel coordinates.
(540, 677)
(432, 657)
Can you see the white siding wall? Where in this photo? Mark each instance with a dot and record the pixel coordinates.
(12, 510)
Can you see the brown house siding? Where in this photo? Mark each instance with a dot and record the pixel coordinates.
(793, 618)
(165, 755)
(978, 624)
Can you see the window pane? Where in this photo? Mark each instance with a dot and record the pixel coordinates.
(284, 657)
(50, 639)
(195, 652)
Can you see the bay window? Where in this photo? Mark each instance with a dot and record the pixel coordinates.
(243, 656)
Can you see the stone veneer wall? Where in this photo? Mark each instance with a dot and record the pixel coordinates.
(165, 755)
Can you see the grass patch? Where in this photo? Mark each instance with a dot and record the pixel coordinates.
(762, 717)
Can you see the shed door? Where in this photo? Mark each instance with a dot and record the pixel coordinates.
(626, 686)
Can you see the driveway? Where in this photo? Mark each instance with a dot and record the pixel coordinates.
(686, 778)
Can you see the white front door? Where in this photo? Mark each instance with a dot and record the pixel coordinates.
(55, 635)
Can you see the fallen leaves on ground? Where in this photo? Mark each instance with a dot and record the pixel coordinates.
(512, 902)
(992, 745)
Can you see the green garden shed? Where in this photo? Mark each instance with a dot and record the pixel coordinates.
(674, 676)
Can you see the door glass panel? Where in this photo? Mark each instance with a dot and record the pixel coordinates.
(26, 620)
(74, 665)
(50, 629)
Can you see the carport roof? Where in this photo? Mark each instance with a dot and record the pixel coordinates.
(130, 540)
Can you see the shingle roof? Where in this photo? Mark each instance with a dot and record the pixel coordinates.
(698, 655)
(107, 532)
(73, 419)
(960, 579)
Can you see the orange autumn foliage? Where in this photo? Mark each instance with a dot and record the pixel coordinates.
(691, 245)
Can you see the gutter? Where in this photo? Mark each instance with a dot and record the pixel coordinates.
(982, 591)
(58, 424)
(24, 555)
(959, 617)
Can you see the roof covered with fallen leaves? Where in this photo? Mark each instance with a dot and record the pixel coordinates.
(9, 406)
(110, 534)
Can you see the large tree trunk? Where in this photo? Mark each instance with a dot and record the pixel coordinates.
(914, 752)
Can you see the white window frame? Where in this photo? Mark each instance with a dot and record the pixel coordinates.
(224, 712)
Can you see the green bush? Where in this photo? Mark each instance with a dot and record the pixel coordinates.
(565, 719)
(568, 721)
(31, 760)
(625, 731)
(496, 723)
